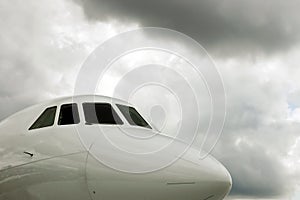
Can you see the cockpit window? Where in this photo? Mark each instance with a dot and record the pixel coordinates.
(100, 113)
(45, 119)
(132, 116)
(68, 114)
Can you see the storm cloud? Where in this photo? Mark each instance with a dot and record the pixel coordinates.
(228, 27)
(255, 45)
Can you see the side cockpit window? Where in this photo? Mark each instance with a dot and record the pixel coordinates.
(100, 113)
(45, 119)
(68, 114)
(132, 116)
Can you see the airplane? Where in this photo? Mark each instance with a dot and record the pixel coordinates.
(73, 148)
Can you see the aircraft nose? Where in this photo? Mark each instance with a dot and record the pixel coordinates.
(222, 177)
(219, 179)
(212, 179)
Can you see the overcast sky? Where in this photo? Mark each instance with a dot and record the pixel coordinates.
(255, 44)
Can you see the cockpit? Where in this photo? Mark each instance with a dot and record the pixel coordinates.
(101, 113)
(86, 141)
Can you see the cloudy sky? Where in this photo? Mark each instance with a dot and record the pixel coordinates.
(255, 45)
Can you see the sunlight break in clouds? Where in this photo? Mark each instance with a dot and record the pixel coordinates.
(43, 46)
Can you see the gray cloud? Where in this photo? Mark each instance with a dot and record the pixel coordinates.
(228, 27)
(294, 99)
(255, 160)
(43, 45)
(258, 174)
(258, 136)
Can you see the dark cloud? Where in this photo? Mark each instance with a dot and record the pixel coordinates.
(43, 44)
(227, 27)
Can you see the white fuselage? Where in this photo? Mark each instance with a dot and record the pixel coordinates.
(87, 161)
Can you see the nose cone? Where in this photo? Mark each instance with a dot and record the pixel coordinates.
(214, 180)
(219, 179)
(124, 164)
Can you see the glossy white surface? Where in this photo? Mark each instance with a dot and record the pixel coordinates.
(66, 165)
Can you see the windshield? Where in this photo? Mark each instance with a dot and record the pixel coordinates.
(132, 116)
(100, 113)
